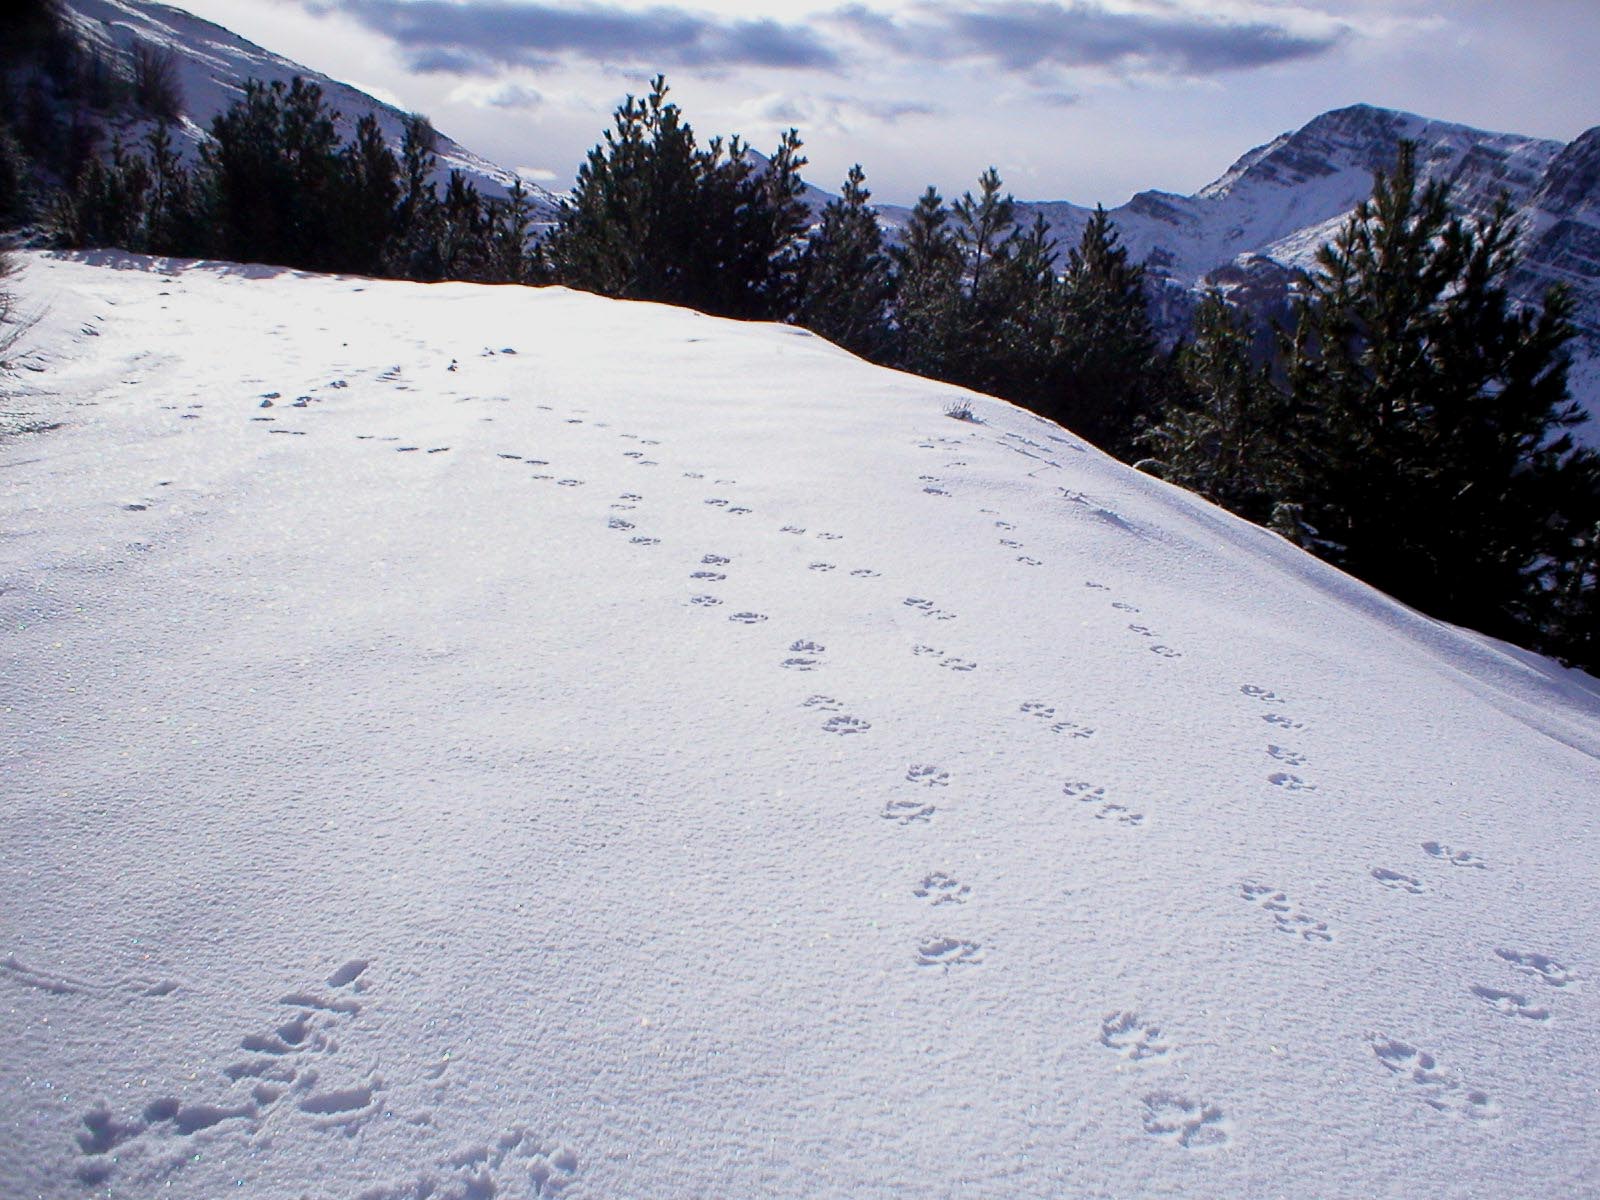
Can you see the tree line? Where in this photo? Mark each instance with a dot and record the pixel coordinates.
(1409, 423)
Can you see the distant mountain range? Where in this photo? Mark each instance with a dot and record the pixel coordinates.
(1249, 232)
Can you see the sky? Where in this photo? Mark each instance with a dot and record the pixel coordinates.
(1082, 100)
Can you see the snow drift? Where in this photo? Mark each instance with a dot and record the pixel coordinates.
(468, 741)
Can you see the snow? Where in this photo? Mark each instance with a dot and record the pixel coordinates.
(567, 747)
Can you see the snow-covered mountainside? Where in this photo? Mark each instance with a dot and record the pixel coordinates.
(467, 741)
(213, 66)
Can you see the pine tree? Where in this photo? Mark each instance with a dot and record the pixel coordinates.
(1019, 308)
(170, 223)
(1107, 370)
(511, 225)
(927, 290)
(1225, 433)
(368, 193)
(274, 177)
(981, 226)
(1439, 413)
(653, 216)
(414, 250)
(845, 282)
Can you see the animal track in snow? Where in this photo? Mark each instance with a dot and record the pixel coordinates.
(705, 601)
(1424, 1078)
(905, 812)
(1131, 1037)
(644, 541)
(804, 654)
(715, 560)
(717, 503)
(927, 774)
(569, 482)
(1511, 1004)
(280, 1062)
(937, 888)
(1099, 587)
(1028, 560)
(793, 529)
(1285, 917)
(1192, 1124)
(1088, 793)
(1261, 694)
(1124, 606)
(1290, 783)
(748, 618)
(845, 725)
(1080, 790)
(618, 523)
(865, 573)
(478, 1172)
(822, 703)
(1166, 652)
(1456, 858)
(1540, 966)
(713, 576)
(1397, 881)
(947, 952)
(1292, 757)
(927, 609)
(830, 537)
(822, 566)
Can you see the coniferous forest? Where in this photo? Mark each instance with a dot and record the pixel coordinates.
(1407, 423)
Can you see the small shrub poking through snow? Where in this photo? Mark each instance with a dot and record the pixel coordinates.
(960, 410)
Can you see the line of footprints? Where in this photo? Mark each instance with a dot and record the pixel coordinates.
(1169, 1116)
(1416, 1071)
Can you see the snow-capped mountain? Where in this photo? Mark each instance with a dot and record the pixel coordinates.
(1263, 220)
(214, 64)
(447, 757)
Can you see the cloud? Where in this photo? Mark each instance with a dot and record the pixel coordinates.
(485, 36)
(1026, 35)
(502, 94)
(834, 112)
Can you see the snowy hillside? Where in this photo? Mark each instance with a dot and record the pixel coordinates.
(214, 64)
(470, 741)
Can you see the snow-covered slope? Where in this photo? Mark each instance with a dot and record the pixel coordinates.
(213, 65)
(475, 741)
